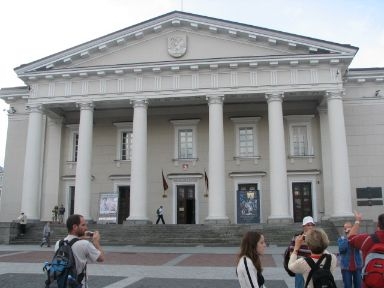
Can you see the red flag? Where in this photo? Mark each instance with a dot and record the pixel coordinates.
(206, 179)
(165, 185)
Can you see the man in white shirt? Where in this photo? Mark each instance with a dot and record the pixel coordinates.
(87, 249)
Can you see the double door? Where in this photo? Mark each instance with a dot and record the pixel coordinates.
(302, 200)
(186, 204)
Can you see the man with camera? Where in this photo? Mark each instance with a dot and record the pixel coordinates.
(85, 250)
(308, 224)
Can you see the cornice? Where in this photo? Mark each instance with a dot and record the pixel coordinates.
(191, 21)
(189, 65)
(362, 75)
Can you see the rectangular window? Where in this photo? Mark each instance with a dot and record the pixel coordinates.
(75, 146)
(299, 140)
(185, 143)
(246, 142)
(126, 145)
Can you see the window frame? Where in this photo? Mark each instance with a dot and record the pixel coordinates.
(186, 124)
(246, 122)
(300, 120)
(123, 127)
(73, 148)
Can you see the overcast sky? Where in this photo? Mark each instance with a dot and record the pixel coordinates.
(33, 29)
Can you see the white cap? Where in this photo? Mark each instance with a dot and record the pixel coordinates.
(307, 220)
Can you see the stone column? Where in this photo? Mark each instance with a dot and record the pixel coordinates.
(52, 164)
(277, 161)
(31, 195)
(326, 163)
(84, 161)
(216, 172)
(138, 189)
(342, 202)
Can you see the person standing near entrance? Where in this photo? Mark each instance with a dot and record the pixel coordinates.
(22, 220)
(304, 251)
(61, 213)
(160, 213)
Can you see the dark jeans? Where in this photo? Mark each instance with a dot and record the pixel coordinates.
(22, 228)
(158, 219)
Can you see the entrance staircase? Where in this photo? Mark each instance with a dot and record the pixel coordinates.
(176, 235)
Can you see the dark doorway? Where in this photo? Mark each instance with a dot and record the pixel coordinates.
(71, 200)
(186, 204)
(124, 200)
(302, 200)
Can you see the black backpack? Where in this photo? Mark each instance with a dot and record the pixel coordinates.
(320, 274)
(61, 271)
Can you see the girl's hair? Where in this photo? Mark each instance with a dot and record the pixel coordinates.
(248, 248)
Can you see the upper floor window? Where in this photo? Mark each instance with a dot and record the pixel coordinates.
(300, 135)
(185, 139)
(73, 152)
(75, 144)
(124, 141)
(185, 143)
(126, 145)
(246, 137)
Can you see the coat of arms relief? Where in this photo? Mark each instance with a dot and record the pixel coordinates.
(177, 45)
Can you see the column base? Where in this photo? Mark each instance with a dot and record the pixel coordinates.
(136, 222)
(280, 220)
(211, 221)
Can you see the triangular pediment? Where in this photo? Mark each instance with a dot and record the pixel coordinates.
(179, 37)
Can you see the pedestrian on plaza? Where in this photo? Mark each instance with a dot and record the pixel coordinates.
(249, 269)
(160, 213)
(22, 221)
(317, 241)
(46, 235)
(87, 249)
(61, 213)
(350, 260)
(303, 251)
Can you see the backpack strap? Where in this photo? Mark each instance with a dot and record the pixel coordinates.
(81, 276)
(249, 275)
(314, 266)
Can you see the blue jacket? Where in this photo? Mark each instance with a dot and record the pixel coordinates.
(346, 252)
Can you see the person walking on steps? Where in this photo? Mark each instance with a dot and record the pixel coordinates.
(160, 213)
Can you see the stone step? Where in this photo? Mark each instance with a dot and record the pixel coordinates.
(170, 234)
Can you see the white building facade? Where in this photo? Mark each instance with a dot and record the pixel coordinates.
(247, 124)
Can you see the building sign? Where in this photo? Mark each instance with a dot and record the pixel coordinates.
(248, 206)
(108, 208)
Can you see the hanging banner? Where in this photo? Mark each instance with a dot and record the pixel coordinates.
(108, 207)
(248, 206)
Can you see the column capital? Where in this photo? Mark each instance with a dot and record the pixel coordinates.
(139, 103)
(88, 105)
(275, 96)
(34, 108)
(215, 99)
(334, 94)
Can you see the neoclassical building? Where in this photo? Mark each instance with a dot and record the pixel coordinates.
(247, 125)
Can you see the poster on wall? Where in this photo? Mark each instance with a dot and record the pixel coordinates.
(248, 206)
(108, 207)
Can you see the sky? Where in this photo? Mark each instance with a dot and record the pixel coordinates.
(31, 30)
